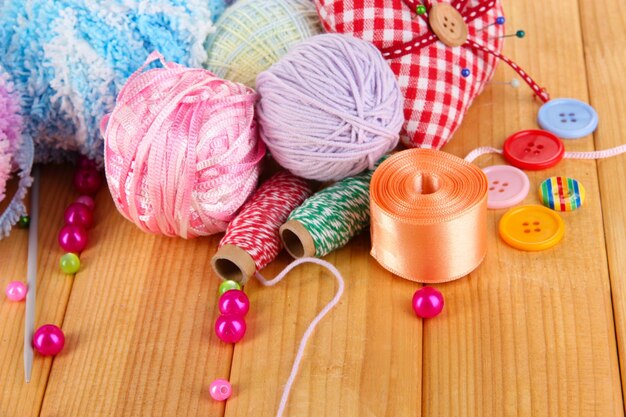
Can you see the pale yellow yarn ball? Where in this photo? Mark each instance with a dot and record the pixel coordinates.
(252, 35)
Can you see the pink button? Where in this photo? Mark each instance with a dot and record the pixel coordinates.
(508, 186)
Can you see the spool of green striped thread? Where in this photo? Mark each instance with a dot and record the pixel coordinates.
(330, 218)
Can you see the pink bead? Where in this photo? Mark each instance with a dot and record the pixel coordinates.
(427, 302)
(16, 291)
(86, 163)
(78, 214)
(73, 238)
(87, 200)
(48, 340)
(87, 181)
(234, 302)
(220, 390)
(230, 328)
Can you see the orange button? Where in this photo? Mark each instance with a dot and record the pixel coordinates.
(531, 228)
(448, 24)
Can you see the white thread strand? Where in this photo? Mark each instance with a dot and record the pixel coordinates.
(309, 331)
(478, 152)
(606, 153)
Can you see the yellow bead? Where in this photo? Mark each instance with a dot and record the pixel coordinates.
(70, 263)
(229, 285)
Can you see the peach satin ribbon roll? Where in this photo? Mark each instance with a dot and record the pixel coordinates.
(429, 215)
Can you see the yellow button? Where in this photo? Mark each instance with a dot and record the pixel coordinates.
(448, 24)
(531, 228)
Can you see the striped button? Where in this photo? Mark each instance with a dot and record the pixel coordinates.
(562, 193)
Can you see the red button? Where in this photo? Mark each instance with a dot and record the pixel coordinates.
(533, 149)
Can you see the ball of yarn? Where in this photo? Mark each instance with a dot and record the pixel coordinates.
(330, 108)
(10, 129)
(181, 150)
(69, 58)
(252, 35)
(16, 154)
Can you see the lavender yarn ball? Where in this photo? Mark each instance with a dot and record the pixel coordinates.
(330, 108)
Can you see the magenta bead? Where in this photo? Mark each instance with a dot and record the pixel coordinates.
(230, 328)
(78, 214)
(73, 238)
(16, 291)
(86, 163)
(48, 340)
(87, 181)
(87, 200)
(220, 390)
(427, 302)
(234, 302)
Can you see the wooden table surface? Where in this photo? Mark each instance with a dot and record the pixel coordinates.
(526, 334)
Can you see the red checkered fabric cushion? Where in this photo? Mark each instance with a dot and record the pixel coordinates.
(436, 95)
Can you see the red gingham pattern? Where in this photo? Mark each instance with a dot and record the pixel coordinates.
(436, 95)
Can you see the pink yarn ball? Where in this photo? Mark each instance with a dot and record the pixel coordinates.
(427, 302)
(16, 155)
(16, 291)
(11, 125)
(181, 150)
(234, 302)
(220, 390)
(73, 238)
(230, 328)
(48, 340)
(78, 214)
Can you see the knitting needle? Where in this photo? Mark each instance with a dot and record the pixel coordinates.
(29, 323)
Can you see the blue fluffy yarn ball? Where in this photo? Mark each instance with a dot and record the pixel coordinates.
(69, 58)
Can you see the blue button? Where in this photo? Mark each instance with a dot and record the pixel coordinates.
(568, 118)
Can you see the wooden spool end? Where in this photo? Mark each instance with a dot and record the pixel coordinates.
(297, 240)
(233, 263)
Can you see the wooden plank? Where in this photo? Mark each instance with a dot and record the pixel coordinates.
(526, 334)
(19, 399)
(529, 333)
(604, 31)
(363, 360)
(139, 327)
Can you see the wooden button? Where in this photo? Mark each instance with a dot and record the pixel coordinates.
(448, 24)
